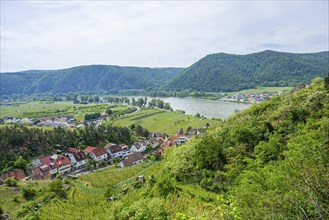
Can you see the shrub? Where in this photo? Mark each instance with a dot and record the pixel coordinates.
(11, 181)
(29, 192)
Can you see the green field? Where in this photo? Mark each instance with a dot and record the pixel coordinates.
(262, 90)
(42, 109)
(156, 120)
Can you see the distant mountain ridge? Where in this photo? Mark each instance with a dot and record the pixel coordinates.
(93, 78)
(227, 72)
(214, 73)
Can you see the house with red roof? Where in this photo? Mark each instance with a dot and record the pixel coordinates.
(51, 165)
(99, 154)
(78, 159)
(88, 150)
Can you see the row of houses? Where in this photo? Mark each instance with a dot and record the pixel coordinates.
(74, 159)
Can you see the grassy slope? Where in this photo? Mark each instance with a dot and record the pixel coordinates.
(163, 121)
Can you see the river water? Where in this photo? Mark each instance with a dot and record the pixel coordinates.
(206, 107)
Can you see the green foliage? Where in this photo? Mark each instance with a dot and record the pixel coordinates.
(29, 192)
(20, 163)
(11, 181)
(56, 186)
(226, 72)
(270, 160)
(92, 116)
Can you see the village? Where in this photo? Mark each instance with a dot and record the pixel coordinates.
(79, 161)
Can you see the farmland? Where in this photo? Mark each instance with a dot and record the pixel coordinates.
(46, 108)
(163, 121)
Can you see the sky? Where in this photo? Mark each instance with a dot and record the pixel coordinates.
(60, 34)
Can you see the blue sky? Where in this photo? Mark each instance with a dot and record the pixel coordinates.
(61, 34)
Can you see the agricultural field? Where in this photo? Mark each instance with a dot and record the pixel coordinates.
(156, 120)
(262, 90)
(47, 108)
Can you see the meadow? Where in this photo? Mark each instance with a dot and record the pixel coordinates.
(156, 120)
(49, 108)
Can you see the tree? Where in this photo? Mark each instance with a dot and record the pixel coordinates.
(20, 163)
(146, 133)
(132, 127)
(139, 130)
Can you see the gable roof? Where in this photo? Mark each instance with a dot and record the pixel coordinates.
(130, 159)
(99, 151)
(89, 149)
(114, 149)
(79, 156)
(72, 150)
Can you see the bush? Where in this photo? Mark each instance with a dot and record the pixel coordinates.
(11, 181)
(29, 192)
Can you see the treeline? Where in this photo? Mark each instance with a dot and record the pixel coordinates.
(19, 140)
(267, 162)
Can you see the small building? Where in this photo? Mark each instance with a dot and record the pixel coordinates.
(114, 150)
(88, 150)
(125, 150)
(132, 159)
(139, 146)
(78, 158)
(99, 154)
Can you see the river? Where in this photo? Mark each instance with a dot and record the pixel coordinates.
(206, 107)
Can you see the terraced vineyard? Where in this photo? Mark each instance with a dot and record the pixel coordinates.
(86, 198)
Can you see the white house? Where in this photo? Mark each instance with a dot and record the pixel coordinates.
(114, 150)
(132, 159)
(99, 154)
(138, 146)
(125, 150)
(78, 159)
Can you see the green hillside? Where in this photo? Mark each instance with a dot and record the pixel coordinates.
(94, 78)
(227, 72)
(267, 162)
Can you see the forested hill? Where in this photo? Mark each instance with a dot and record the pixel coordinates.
(269, 161)
(94, 78)
(227, 72)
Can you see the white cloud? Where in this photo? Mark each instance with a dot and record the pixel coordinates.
(51, 35)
